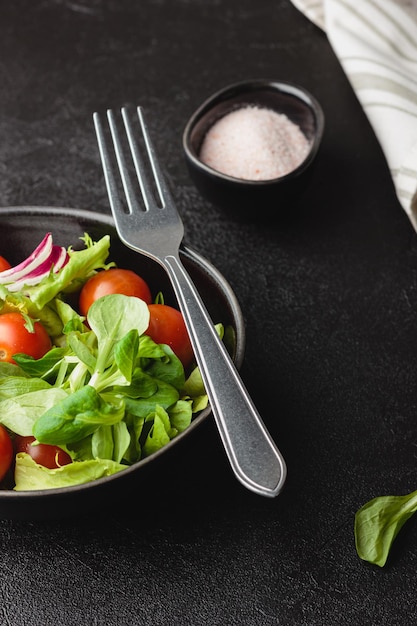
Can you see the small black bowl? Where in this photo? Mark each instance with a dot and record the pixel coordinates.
(226, 191)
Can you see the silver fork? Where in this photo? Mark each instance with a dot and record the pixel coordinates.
(157, 232)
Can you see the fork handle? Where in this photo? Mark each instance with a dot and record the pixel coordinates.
(252, 453)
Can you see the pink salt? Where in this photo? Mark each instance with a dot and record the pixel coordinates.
(254, 143)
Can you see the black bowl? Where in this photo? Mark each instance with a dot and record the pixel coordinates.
(21, 229)
(229, 192)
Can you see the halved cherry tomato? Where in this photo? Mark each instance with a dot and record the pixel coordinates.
(166, 325)
(6, 451)
(42, 453)
(114, 280)
(4, 265)
(14, 338)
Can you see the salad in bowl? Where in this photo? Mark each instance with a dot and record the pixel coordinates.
(97, 373)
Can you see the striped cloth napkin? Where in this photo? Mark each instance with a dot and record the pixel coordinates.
(376, 43)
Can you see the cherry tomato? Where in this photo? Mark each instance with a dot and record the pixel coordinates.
(166, 325)
(42, 453)
(114, 280)
(6, 452)
(14, 338)
(4, 265)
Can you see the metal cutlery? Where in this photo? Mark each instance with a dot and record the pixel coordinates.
(156, 230)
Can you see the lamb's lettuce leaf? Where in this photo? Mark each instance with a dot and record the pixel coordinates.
(378, 522)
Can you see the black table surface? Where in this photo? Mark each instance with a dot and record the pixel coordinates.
(330, 305)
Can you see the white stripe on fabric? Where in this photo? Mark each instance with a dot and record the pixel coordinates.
(392, 88)
(378, 67)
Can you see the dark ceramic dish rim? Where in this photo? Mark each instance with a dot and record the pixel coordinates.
(82, 214)
(249, 86)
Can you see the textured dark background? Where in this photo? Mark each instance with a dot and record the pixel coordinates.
(330, 303)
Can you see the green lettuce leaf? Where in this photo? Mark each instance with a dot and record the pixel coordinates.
(160, 433)
(20, 413)
(31, 476)
(78, 415)
(378, 523)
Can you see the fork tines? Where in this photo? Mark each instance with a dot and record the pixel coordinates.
(153, 189)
